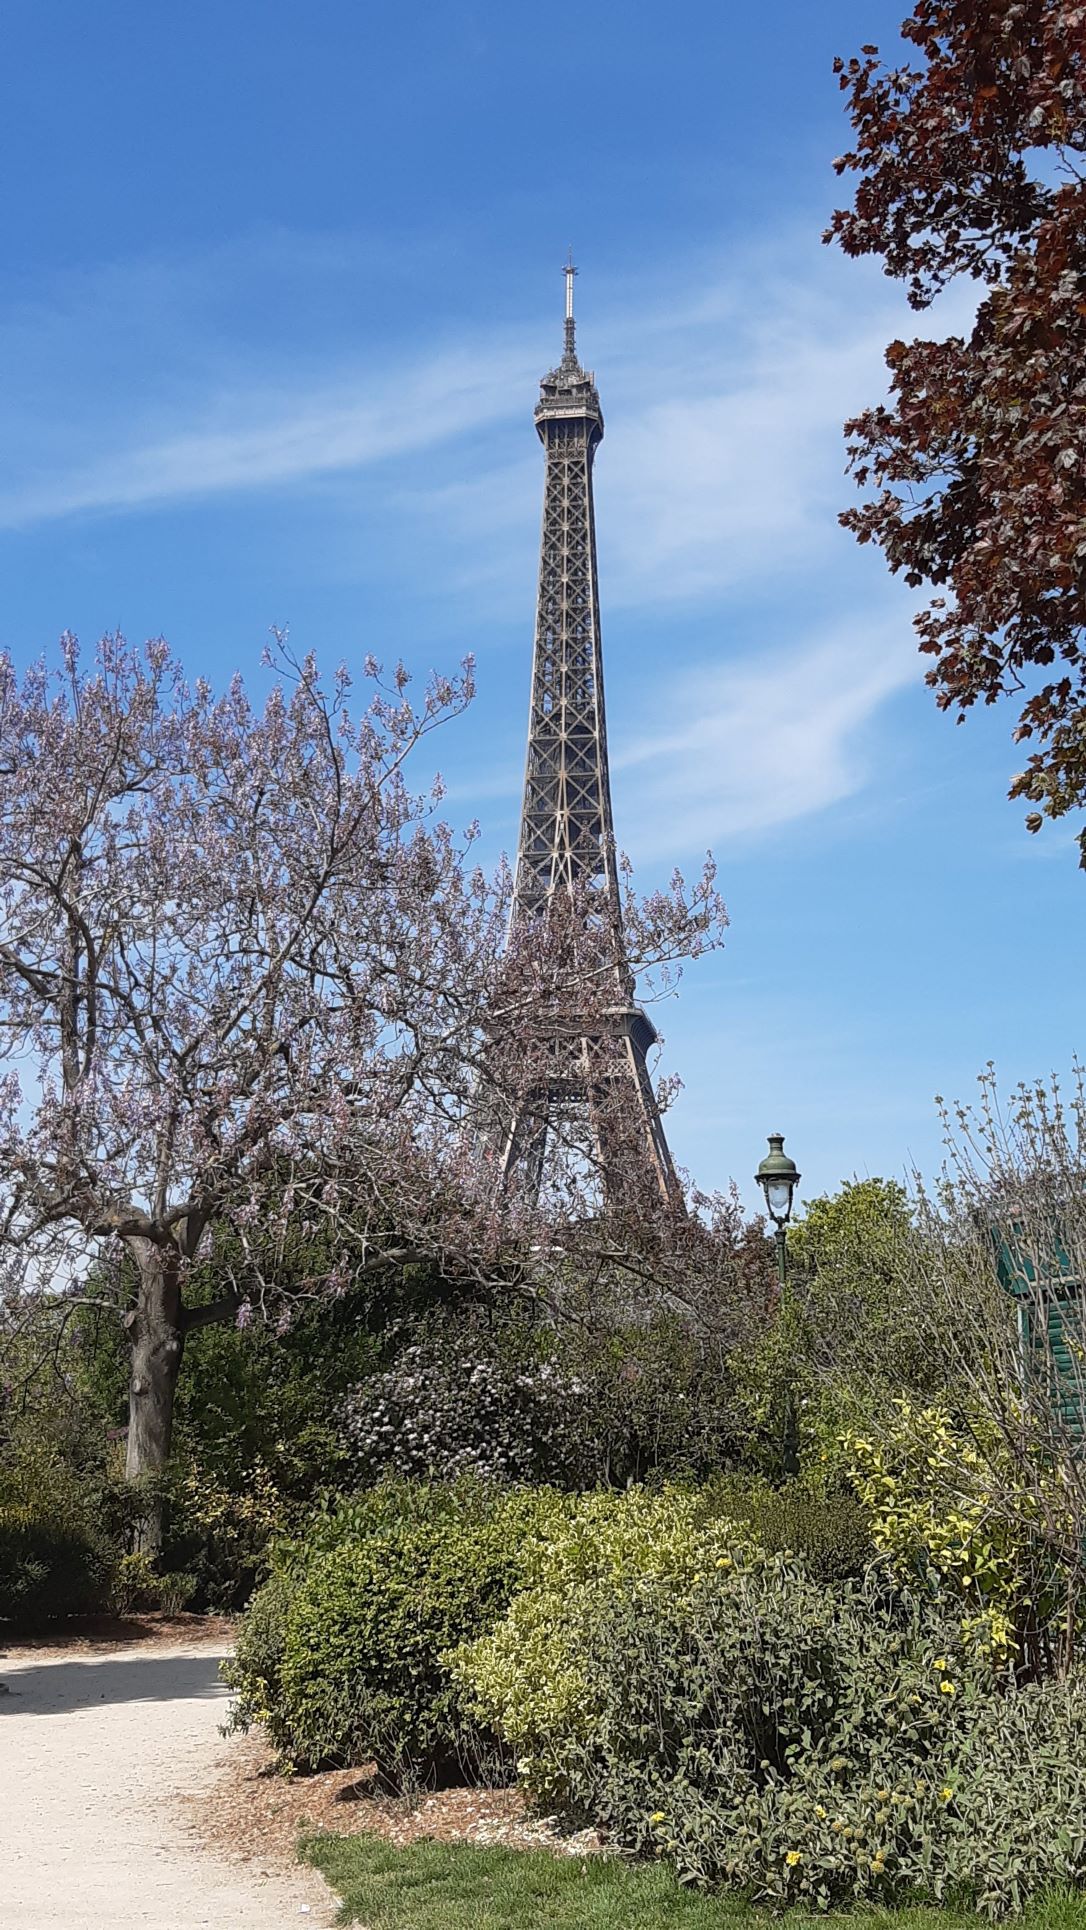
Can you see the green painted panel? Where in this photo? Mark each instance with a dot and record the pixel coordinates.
(1047, 1279)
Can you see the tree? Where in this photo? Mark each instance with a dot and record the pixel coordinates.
(245, 979)
(973, 164)
(854, 1260)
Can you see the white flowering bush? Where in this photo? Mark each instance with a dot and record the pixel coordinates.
(470, 1396)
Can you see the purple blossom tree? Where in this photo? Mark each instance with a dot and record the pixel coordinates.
(247, 980)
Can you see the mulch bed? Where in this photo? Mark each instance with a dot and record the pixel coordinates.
(255, 1813)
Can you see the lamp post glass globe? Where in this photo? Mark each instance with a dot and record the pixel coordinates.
(778, 1176)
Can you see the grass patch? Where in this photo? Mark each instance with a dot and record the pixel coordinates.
(437, 1886)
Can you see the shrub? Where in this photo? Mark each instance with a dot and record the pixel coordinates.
(800, 1743)
(938, 1501)
(49, 1568)
(222, 1531)
(253, 1671)
(62, 1528)
(830, 1534)
(341, 1652)
(484, 1391)
(529, 1673)
(138, 1586)
(470, 1394)
(528, 1676)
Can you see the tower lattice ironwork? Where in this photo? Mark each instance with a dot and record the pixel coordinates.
(595, 1080)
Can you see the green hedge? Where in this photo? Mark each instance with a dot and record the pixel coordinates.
(341, 1652)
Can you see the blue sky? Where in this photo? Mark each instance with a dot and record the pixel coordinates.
(280, 282)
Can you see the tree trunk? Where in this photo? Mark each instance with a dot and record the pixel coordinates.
(156, 1342)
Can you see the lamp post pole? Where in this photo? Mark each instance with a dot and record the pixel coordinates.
(778, 1176)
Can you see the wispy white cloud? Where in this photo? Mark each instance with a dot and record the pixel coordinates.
(259, 439)
(724, 405)
(721, 473)
(761, 743)
(707, 487)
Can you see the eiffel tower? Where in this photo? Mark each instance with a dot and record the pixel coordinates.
(594, 1081)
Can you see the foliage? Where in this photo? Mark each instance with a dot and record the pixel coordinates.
(138, 1586)
(259, 1399)
(929, 1491)
(827, 1530)
(246, 976)
(852, 1258)
(529, 1676)
(341, 1653)
(223, 1533)
(970, 163)
(854, 1326)
(440, 1886)
(61, 1531)
(257, 1431)
(658, 1396)
(802, 1742)
(470, 1393)
(48, 1569)
(574, 1402)
(1004, 1244)
(253, 1671)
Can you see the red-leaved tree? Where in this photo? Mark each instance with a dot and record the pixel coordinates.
(971, 162)
(247, 980)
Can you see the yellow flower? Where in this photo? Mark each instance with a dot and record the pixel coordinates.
(939, 1662)
(658, 1817)
(819, 1811)
(947, 1794)
(877, 1864)
(793, 1858)
(724, 1562)
(947, 1688)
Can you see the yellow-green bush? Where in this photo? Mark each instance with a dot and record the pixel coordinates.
(528, 1676)
(942, 1510)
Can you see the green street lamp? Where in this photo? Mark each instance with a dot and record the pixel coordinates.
(778, 1176)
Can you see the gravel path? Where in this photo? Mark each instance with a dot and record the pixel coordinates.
(97, 1752)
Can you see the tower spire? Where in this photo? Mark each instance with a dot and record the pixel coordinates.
(591, 1067)
(570, 271)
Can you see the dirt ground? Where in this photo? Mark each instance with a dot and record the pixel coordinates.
(124, 1808)
(107, 1746)
(251, 1810)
